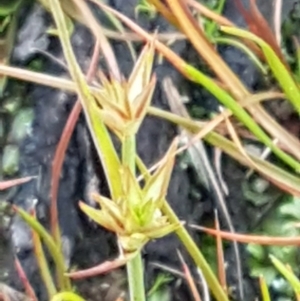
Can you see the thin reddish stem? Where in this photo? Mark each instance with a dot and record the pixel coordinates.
(62, 147)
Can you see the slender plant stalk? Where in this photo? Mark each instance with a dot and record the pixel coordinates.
(99, 133)
(196, 254)
(128, 152)
(63, 281)
(135, 270)
(191, 247)
(43, 265)
(135, 275)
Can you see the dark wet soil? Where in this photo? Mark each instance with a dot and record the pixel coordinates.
(89, 245)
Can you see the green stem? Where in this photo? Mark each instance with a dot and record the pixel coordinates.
(128, 152)
(135, 270)
(212, 26)
(43, 265)
(63, 281)
(135, 274)
(196, 254)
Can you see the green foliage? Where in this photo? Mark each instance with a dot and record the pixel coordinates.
(158, 288)
(144, 6)
(8, 22)
(280, 222)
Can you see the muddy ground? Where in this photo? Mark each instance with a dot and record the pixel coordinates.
(85, 244)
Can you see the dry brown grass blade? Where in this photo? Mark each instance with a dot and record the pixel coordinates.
(102, 268)
(277, 19)
(221, 20)
(103, 41)
(198, 148)
(115, 35)
(189, 278)
(203, 10)
(220, 256)
(164, 10)
(147, 37)
(28, 288)
(259, 26)
(59, 158)
(205, 49)
(239, 144)
(10, 183)
(255, 239)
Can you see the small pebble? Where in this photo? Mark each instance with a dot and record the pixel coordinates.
(21, 125)
(10, 160)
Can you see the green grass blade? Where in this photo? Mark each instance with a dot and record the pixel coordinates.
(55, 252)
(43, 265)
(100, 135)
(196, 254)
(240, 113)
(290, 276)
(251, 55)
(8, 7)
(264, 289)
(279, 70)
(8, 24)
(276, 175)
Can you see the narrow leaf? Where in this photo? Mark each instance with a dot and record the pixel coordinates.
(156, 187)
(52, 247)
(278, 68)
(290, 276)
(102, 218)
(264, 289)
(100, 135)
(140, 75)
(109, 206)
(43, 265)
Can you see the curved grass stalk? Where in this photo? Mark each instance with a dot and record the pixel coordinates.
(283, 179)
(134, 267)
(288, 274)
(100, 135)
(279, 69)
(63, 281)
(8, 27)
(241, 114)
(245, 49)
(264, 289)
(43, 265)
(192, 248)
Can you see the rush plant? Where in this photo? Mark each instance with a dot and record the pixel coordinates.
(137, 213)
